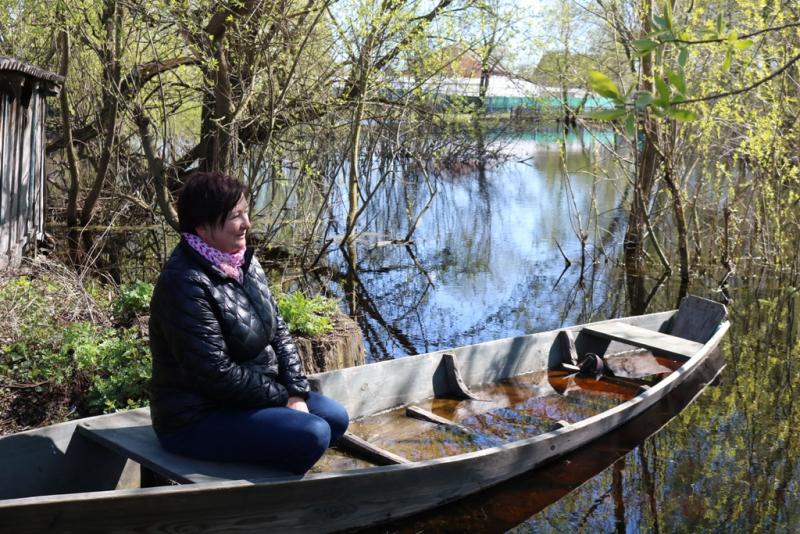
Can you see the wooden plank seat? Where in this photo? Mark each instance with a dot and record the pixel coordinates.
(659, 343)
(361, 448)
(131, 435)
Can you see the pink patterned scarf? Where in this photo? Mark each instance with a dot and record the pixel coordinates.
(230, 264)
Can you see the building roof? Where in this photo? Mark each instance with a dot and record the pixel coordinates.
(13, 65)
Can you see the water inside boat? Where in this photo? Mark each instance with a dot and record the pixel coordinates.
(509, 410)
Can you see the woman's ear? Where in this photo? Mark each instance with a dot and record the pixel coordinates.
(203, 232)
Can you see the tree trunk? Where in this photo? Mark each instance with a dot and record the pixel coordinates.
(647, 161)
(224, 157)
(353, 179)
(344, 347)
(156, 167)
(643, 185)
(72, 162)
(483, 88)
(360, 86)
(680, 220)
(111, 74)
(217, 132)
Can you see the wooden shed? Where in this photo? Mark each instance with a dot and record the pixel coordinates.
(23, 89)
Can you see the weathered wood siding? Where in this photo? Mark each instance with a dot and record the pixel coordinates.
(23, 90)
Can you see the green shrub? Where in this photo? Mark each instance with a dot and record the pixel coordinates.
(114, 363)
(117, 363)
(55, 334)
(133, 300)
(34, 324)
(58, 341)
(307, 316)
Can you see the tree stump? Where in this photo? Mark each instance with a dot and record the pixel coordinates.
(344, 347)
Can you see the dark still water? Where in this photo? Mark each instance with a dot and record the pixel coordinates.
(486, 263)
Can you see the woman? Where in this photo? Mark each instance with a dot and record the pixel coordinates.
(228, 384)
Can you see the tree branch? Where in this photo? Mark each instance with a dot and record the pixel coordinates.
(156, 166)
(750, 87)
(72, 194)
(746, 36)
(133, 82)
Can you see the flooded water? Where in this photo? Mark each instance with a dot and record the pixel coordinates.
(612, 480)
(488, 262)
(487, 259)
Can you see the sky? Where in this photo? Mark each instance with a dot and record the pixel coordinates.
(535, 32)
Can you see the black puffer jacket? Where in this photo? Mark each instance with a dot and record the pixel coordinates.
(217, 343)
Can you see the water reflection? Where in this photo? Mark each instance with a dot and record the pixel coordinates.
(728, 462)
(487, 259)
(486, 265)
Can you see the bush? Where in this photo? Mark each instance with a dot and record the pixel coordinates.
(117, 363)
(307, 316)
(59, 352)
(133, 300)
(113, 365)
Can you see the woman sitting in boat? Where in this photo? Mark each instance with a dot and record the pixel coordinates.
(228, 383)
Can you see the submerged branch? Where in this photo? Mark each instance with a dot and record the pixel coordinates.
(652, 233)
(567, 263)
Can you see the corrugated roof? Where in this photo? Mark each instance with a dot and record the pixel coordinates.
(14, 65)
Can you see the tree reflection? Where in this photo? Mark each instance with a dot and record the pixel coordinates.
(482, 263)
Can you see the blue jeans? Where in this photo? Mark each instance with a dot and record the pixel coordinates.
(277, 436)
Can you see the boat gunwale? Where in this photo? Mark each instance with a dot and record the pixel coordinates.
(629, 408)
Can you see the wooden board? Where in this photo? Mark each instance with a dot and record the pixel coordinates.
(457, 386)
(361, 448)
(424, 415)
(131, 435)
(53, 460)
(640, 364)
(697, 319)
(569, 354)
(22, 104)
(657, 342)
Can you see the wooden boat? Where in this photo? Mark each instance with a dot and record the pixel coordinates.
(444, 425)
(508, 505)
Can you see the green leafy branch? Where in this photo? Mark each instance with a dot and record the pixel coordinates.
(665, 33)
(661, 103)
(307, 316)
(670, 88)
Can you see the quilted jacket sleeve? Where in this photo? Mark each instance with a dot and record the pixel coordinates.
(290, 367)
(196, 342)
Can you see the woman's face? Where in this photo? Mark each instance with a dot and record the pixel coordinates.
(232, 235)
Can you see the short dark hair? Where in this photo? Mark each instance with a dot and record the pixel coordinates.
(207, 198)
